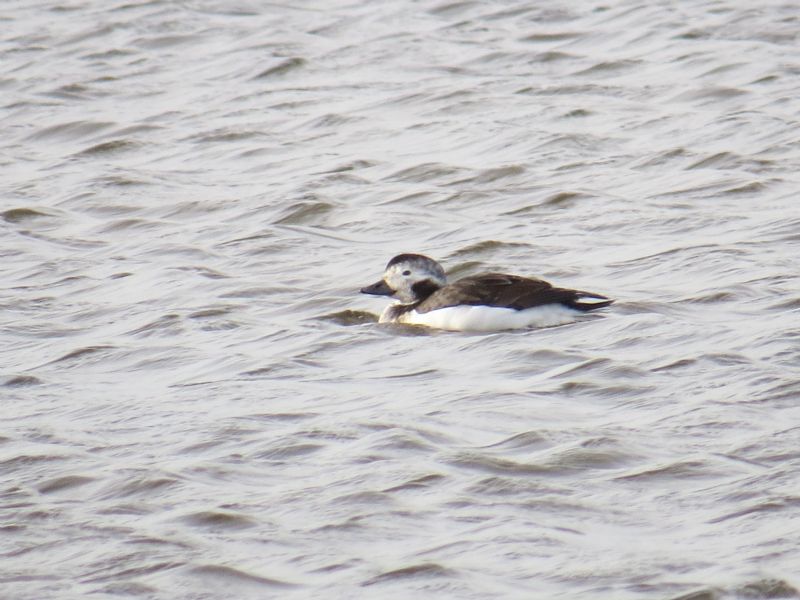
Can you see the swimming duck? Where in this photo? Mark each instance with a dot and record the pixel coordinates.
(486, 302)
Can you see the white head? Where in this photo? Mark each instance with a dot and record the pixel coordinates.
(409, 278)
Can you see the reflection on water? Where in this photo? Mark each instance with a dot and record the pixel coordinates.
(198, 402)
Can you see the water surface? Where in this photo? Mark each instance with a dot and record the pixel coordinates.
(198, 404)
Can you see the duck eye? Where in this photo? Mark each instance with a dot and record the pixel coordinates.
(406, 273)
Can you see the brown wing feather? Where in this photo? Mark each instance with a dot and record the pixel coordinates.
(497, 289)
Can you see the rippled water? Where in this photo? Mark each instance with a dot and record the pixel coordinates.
(198, 404)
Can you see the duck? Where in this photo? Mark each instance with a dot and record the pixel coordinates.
(479, 303)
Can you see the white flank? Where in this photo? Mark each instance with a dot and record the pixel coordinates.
(489, 318)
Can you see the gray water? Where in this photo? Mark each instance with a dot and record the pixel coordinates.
(197, 403)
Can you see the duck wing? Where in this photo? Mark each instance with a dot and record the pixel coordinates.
(509, 291)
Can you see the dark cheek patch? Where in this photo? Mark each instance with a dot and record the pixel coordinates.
(423, 289)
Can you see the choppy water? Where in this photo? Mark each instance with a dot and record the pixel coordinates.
(197, 404)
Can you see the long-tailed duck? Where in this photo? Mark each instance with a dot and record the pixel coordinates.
(487, 302)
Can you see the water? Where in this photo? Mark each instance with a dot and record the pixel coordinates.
(198, 404)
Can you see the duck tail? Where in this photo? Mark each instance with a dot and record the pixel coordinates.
(585, 301)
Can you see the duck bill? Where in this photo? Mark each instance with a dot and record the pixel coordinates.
(378, 289)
